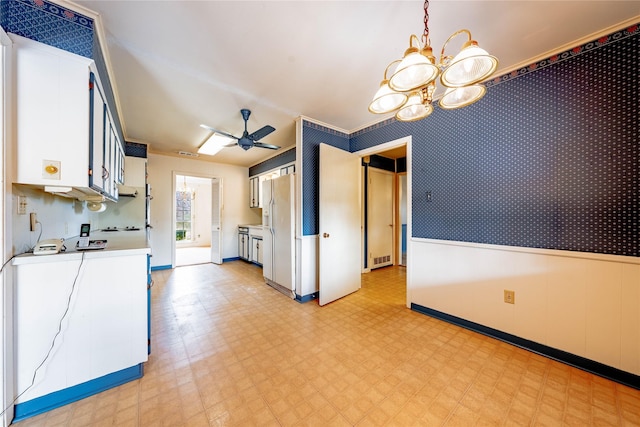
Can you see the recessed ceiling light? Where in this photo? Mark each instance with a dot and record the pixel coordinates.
(214, 143)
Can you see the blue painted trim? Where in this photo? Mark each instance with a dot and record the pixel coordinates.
(235, 258)
(161, 267)
(62, 397)
(576, 361)
(306, 298)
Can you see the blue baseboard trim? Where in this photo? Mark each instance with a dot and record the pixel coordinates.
(161, 267)
(597, 368)
(236, 258)
(306, 298)
(63, 397)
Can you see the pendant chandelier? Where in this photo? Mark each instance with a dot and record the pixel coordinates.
(409, 90)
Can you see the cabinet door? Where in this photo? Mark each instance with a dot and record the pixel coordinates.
(254, 184)
(120, 155)
(243, 246)
(256, 250)
(98, 135)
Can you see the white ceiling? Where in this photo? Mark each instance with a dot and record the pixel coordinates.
(177, 64)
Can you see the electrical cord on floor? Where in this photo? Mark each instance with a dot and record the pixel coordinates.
(53, 341)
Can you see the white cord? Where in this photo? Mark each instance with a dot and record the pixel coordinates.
(53, 342)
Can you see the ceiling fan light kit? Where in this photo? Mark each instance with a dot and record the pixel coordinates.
(219, 139)
(409, 91)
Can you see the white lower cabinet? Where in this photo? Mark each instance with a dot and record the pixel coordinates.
(243, 246)
(256, 250)
(100, 302)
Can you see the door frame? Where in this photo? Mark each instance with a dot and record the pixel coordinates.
(7, 391)
(394, 216)
(174, 174)
(406, 140)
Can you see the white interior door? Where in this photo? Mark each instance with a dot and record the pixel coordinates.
(381, 211)
(216, 221)
(339, 220)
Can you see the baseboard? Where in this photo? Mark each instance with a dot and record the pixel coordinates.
(63, 397)
(161, 267)
(597, 368)
(236, 258)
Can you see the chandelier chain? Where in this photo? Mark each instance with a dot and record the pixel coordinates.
(425, 35)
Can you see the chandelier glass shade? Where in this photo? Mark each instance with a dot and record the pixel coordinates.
(386, 99)
(416, 69)
(458, 97)
(409, 90)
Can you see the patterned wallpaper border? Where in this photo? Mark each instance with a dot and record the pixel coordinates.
(326, 129)
(578, 50)
(59, 11)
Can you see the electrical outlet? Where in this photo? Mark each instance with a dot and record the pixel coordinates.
(509, 296)
(32, 221)
(22, 205)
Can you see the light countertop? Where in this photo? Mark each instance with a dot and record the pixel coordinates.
(119, 243)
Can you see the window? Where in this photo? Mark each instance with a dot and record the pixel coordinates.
(184, 214)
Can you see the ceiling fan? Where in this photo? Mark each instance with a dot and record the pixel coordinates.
(247, 140)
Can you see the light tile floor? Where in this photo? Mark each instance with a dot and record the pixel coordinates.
(229, 350)
(193, 255)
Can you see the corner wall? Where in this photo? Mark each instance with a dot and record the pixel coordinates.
(535, 189)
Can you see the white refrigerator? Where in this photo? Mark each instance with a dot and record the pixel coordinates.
(278, 241)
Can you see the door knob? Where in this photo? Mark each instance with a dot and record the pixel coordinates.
(325, 235)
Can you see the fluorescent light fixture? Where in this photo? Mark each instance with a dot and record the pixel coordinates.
(215, 143)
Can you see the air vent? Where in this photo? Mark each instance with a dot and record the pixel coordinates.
(188, 154)
(382, 259)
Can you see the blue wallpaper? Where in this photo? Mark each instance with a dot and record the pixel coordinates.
(48, 23)
(313, 135)
(548, 159)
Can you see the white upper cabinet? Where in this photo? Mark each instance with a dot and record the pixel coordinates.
(64, 130)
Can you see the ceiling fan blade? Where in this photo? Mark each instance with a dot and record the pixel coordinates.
(263, 145)
(219, 131)
(261, 133)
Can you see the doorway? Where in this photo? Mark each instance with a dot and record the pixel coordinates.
(399, 151)
(196, 220)
(339, 198)
(385, 208)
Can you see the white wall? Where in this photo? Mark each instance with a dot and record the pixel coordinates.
(585, 304)
(58, 217)
(236, 210)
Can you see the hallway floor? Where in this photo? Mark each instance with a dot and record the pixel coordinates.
(229, 350)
